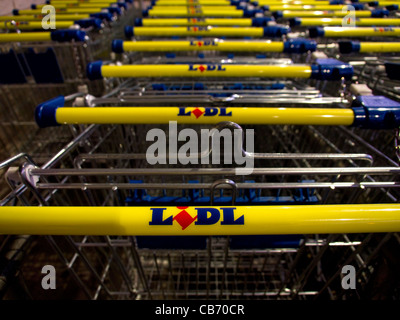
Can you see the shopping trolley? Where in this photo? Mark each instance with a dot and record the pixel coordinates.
(39, 65)
(320, 195)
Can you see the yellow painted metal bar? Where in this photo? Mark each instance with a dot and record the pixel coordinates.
(201, 115)
(183, 12)
(310, 14)
(244, 22)
(23, 37)
(199, 31)
(333, 7)
(33, 25)
(201, 45)
(227, 220)
(39, 17)
(62, 10)
(380, 47)
(361, 32)
(358, 22)
(274, 71)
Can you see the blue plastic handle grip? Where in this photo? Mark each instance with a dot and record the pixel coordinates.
(45, 113)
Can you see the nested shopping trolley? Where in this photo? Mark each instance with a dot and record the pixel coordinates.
(149, 225)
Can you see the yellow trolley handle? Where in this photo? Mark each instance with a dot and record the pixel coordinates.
(291, 46)
(54, 2)
(177, 3)
(226, 220)
(366, 47)
(34, 25)
(194, 115)
(63, 11)
(317, 7)
(194, 12)
(313, 14)
(335, 32)
(257, 32)
(308, 22)
(60, 5)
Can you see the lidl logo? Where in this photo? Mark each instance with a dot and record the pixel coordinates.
(206, 112)
(207, 67)
(194, 10)
(202, 217)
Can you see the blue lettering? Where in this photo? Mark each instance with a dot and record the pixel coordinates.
(192, 68)
(222, 113)
(211, 67)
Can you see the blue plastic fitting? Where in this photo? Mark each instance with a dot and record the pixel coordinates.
(117, 46)
(45, 113)
(93, 70)
(48, 1)
(33, 6)
(102, 15)
(122, 5)
(316, 32)
(349, 46)
(129, 31)
(66, 35)
(261, 22)
(138, 22)
(90, 22)
(299, 46)
(373, 3)
(376, 112)
(15, 12)
(331, 69)
(265, 8)
(332, 2)
(275, 31)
